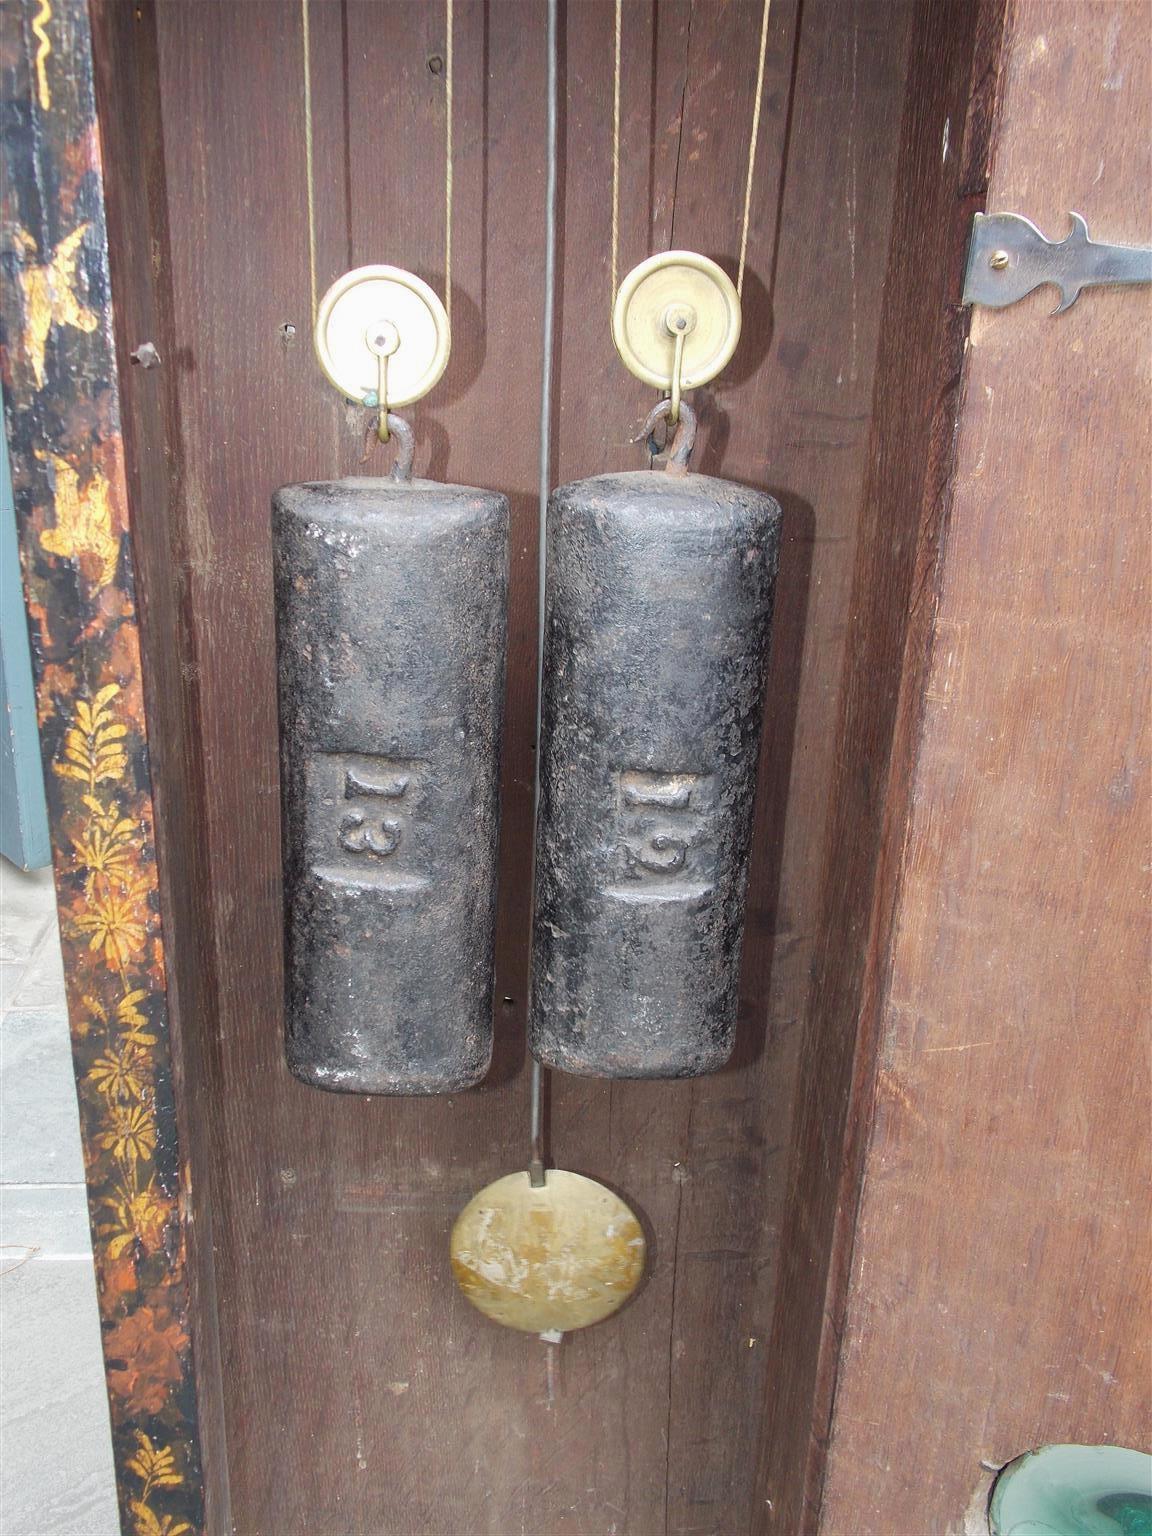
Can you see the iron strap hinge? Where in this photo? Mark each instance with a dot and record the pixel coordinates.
(1008, 257)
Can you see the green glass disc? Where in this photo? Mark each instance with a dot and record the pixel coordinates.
(1074, 1490)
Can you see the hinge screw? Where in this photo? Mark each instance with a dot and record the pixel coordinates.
(999, 260)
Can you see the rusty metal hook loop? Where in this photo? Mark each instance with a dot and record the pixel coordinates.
(684, 439)
(405, 449)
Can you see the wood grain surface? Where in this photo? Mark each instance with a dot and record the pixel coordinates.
(999, 1294)
(75, 505)
(131, 134)
(358, 1392)
(941, 178)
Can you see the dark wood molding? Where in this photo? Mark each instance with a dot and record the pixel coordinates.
(951, 104)
(997, 1287)
(130, 119)
(62, 394)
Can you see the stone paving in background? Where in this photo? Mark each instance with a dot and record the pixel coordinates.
(56, 1476)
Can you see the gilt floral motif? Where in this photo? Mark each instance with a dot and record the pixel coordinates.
(60, 388)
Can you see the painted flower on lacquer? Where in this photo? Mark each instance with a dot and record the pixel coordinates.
(94, 745)
(154, 1465)
(121, 1073)
(144, 1359)
(131, 1136)
(136, 1219)
(115, 922)
(149, 1523)
(106, 845)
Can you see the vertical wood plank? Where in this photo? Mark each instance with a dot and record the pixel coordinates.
(132, 146)
(999, 1280)
(949, 100)
(336, 1211)
(792, 413)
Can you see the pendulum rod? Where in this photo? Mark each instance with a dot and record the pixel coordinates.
(536, 1143)
(753, 136)
(306, 52)
(577, 1251)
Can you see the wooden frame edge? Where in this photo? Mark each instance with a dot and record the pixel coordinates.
(57, 351)
(881, 701)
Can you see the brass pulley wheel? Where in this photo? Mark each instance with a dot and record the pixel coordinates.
(676, 321)
(382, 326)
(547, 1258)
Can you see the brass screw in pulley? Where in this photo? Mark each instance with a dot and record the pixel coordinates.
(676, 322)
(383, 339)
(376, 313)
(679, 322)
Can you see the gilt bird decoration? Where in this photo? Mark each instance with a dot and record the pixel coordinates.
(50, 295)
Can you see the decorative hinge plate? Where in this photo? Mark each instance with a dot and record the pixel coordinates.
(1008, 257)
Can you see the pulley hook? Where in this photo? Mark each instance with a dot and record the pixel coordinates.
(679, 322)
(684, 439)
(383, 339)
(379, 430)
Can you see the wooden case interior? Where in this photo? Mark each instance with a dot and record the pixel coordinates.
(344, 1383)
